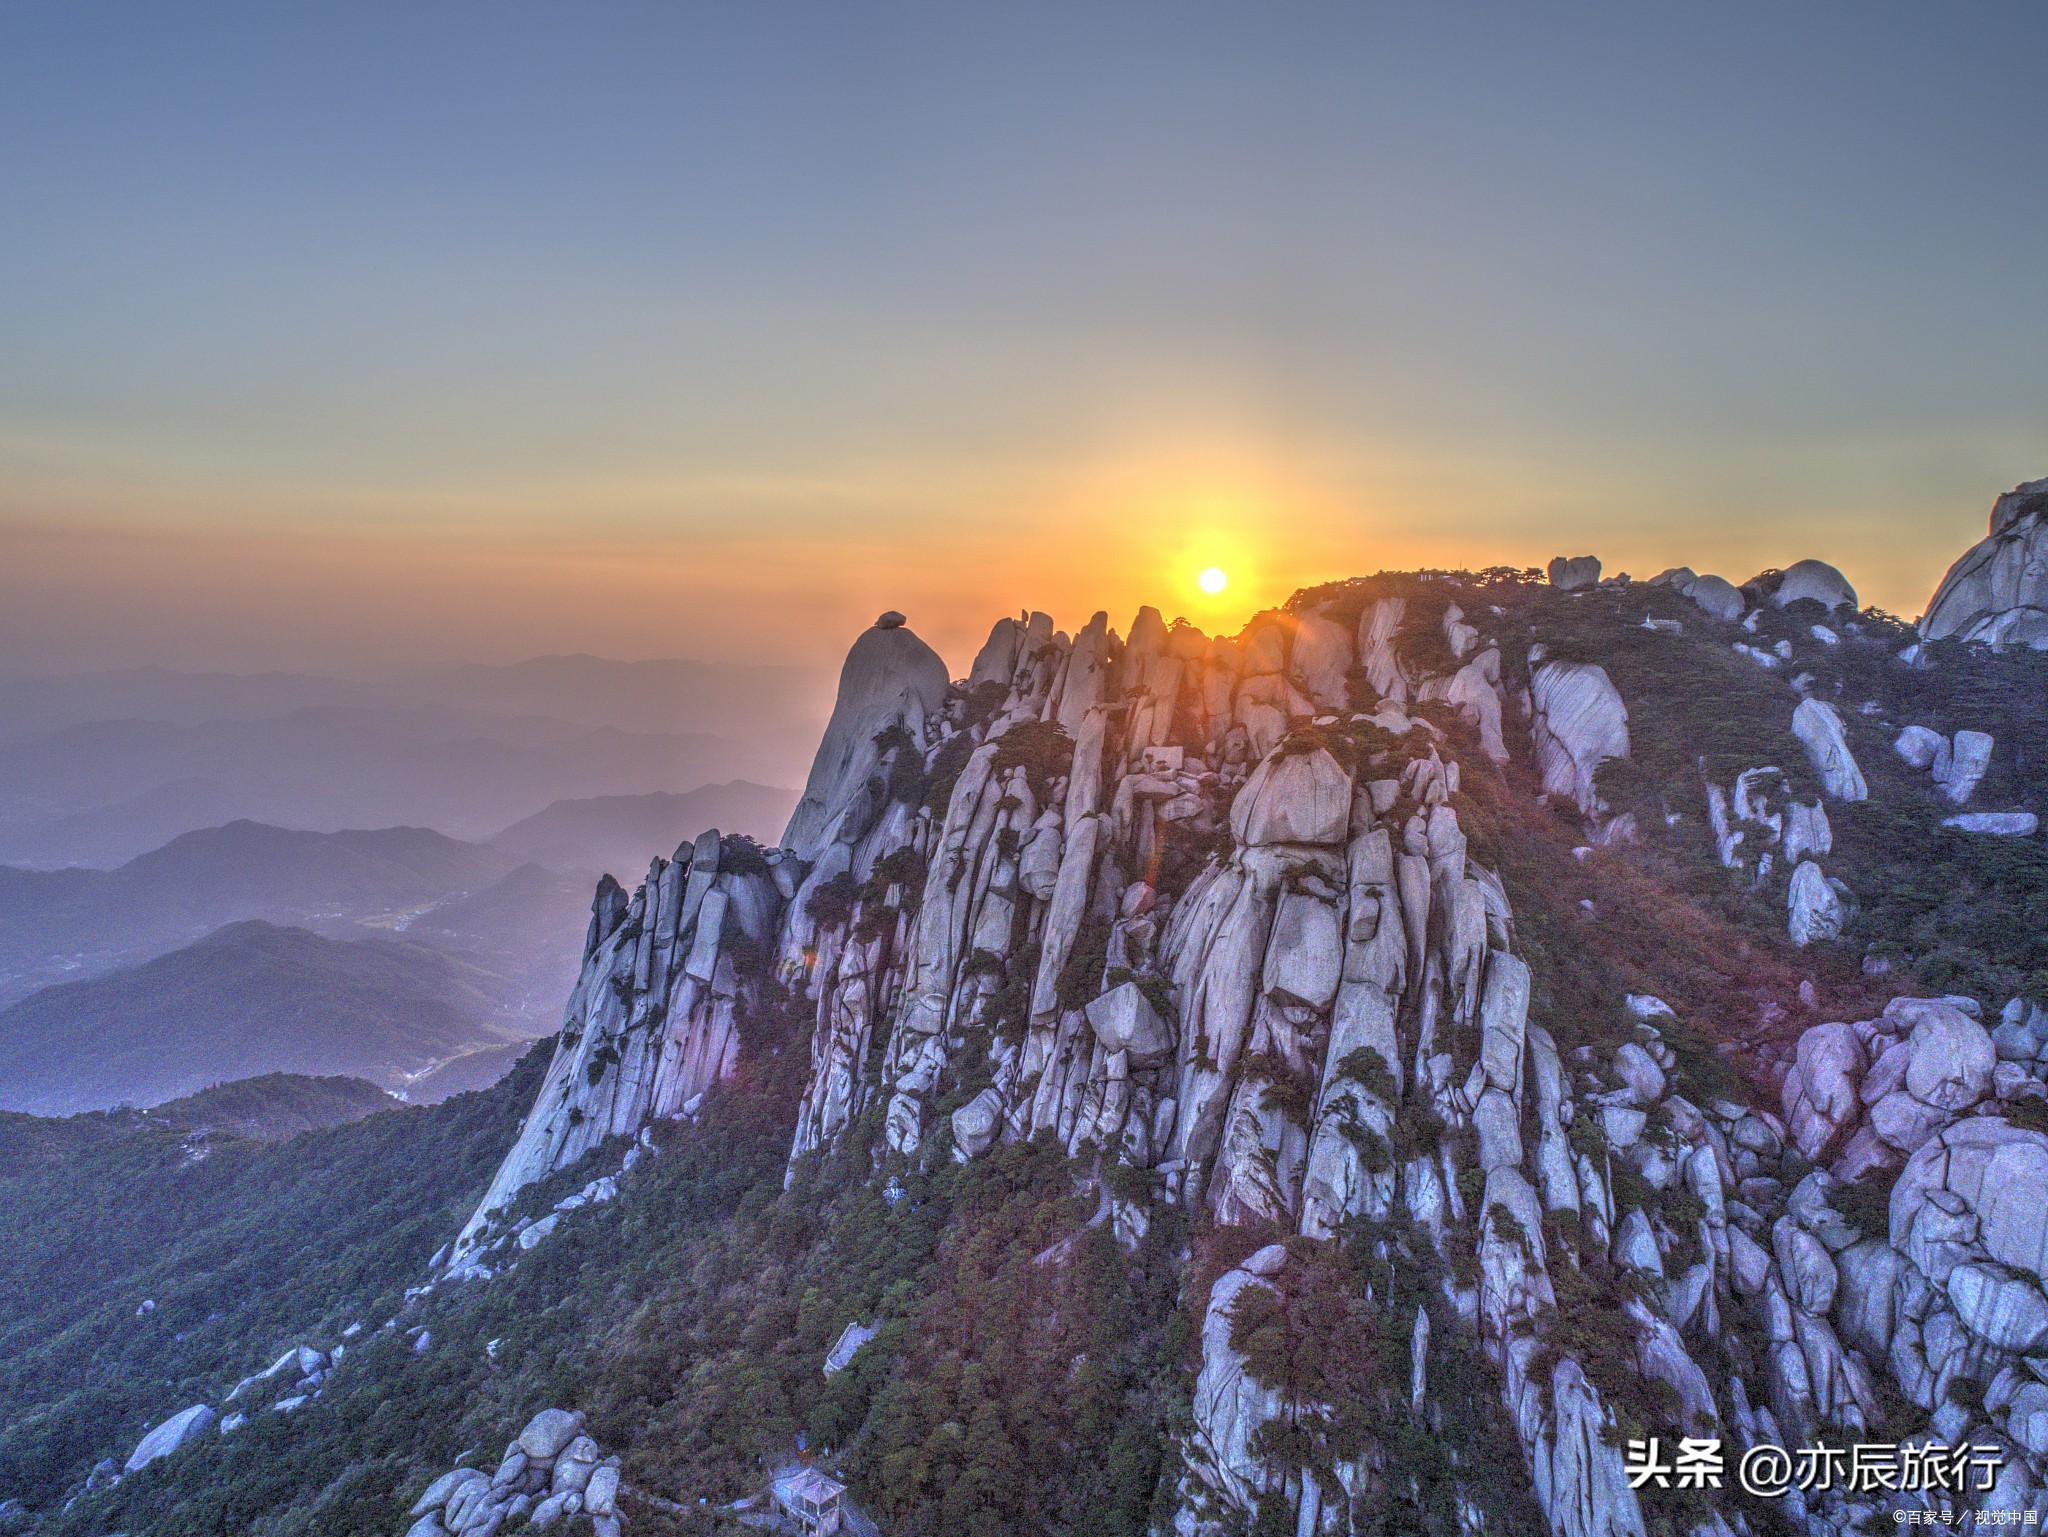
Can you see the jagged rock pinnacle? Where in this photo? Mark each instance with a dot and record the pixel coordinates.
(891, 678)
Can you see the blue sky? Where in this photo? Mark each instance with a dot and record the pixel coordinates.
(333, 333)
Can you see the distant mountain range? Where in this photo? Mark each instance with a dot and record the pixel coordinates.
(61, 924)
(665, 694)
(76, 945)
(249, 999)
(736, 701)
(458, 771)
(621, 833)
(97, 768)
(185, 896)
(470, 898)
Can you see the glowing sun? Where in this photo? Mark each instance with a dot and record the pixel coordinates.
(1213, 580)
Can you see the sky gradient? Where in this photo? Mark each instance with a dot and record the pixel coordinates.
(336, 336)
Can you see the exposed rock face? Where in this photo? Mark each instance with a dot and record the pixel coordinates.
(1304, 798)
(1580, 722)
(1276, 1009)
(1317, 1023)
(1998, 591)
(653, 1021)
(1231, 1406)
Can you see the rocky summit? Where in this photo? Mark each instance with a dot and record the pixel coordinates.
(1417, 1063)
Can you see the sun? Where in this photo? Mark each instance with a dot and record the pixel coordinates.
(1213, 580)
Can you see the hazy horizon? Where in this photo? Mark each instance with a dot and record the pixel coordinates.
(338, 341)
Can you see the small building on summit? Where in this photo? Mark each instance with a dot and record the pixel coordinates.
(811, 1499)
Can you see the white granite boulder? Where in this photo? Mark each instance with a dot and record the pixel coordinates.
(174, 1434)
(1820, 1092)
(1819, 729)
(1302, 797)
(1573, 573)
(1958, 769)
(1950, 1055)
(1918, 746)
(976, 1123)
(1816, 907)
(1717, 596)
(2002, 824)
(1124, 1020)
(1817, 580)
(549, 1431)
(442, 1489)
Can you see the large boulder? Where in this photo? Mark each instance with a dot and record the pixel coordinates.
(175, 1433)
(442, 1489)
(1982, 1179)
(1918, 746)
(1808, 1269)
(1572, 574)
(1958, 769)
(2005, 824)
(1474, 690)
(890, 678)
(1820, 1092)
(1814, 579)
(1998, 591)
(1294, 797)
(1816, 908)
(1124, 1020)
(579, 1459)
(1820, 732)
(1951, 1056)
(601, 1497)
(1717, 596)
(1305, 955)
(975, 1124)
(549, 1431)
(1806, 831)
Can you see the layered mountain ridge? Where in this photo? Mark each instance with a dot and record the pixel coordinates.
(1368, 1070)
(1207, 912)
(249, 998)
